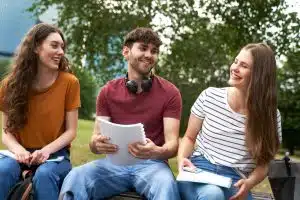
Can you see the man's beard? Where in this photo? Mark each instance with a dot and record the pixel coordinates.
(135, 65)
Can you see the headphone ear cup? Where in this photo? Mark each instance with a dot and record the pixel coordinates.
(146, 85)
(132, 86)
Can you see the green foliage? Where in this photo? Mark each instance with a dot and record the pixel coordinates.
(289, 103)
(88, 89)
(204, 36)
(4, 67)
(200, 56)
(254, 21)
(96, 30)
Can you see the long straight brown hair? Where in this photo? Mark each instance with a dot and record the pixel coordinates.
(19, 82)
(261, 126)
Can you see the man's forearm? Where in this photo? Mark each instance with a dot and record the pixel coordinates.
(168, 150)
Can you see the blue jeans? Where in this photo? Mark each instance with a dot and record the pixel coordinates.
(47, 180)
(201, 191)
(100, 179)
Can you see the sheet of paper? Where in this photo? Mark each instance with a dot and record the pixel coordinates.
(8, 153)
(202, 176)
(122, 135)
(56, 159)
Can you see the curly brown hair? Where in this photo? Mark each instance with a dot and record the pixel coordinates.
(24, 70)
(142, 34)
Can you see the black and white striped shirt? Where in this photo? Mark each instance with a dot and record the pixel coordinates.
(221, 139)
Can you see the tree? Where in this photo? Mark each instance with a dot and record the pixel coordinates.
(201, 55)
(204, 36)
(289, 103)
(88, 89)
(95, 30)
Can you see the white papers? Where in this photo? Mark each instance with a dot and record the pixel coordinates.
(8, 153)
(56, 159)
(122, 136)
(201, 176)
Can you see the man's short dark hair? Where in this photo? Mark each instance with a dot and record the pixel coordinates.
(142, 34)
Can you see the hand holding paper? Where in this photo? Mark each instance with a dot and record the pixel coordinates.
(102, 145)
(122, 136)
(202, 176)
(7, 153)
(185, 163)
(39, 157)
(22, 155)
(143, 151)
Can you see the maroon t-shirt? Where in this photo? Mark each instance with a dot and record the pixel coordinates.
(148, 108)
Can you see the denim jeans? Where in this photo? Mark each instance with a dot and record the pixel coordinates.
(201, 191)
(100, 179)
(47, 180)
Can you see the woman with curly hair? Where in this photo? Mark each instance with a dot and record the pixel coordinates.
(237, 128)
(39, 101)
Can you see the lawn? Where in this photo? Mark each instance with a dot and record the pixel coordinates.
(80, 152)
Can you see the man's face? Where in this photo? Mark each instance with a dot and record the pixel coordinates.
(141, 57)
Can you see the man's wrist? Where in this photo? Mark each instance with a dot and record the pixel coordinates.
(159, 152)
(92, 146)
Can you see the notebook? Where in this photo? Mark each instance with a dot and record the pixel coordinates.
(202, 176)
(122, 135)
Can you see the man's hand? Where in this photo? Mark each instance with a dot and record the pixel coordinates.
(144, 151)
(244, 186)
(39, 156)
(23, 156)
(100, 145)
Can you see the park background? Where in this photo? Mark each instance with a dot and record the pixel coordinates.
(200, 40)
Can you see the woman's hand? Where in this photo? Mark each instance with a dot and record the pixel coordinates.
(23, 156)
(184, 162)
(39, 156)
(244, 185)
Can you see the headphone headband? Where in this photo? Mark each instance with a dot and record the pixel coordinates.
(132, 85)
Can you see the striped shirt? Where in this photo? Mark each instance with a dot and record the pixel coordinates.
(221, 139)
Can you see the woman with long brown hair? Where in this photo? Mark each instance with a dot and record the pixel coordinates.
(39, 101)
(237, 128)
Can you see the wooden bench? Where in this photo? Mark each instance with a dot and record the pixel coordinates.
(135, 196)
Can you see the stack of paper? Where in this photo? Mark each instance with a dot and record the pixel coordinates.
(201, 176)
(122, 135)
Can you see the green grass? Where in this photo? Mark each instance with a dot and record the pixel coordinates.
(81, 154)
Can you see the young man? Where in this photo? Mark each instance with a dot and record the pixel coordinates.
(140, 97)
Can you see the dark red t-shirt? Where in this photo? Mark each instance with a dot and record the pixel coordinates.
(148, 108)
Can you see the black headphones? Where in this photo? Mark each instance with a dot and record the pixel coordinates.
(132, 85)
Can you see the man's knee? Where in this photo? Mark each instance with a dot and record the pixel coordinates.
(76, 173)
(165, 182)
